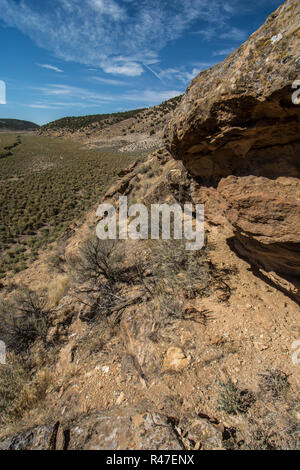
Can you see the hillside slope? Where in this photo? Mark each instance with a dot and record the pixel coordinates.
(17, 125)
(139, 129)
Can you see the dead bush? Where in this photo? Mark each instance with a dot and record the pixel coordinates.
(24, 319)
(177, 275)
(274, 382)
(98, 259)
(57, 259)
(99, 273)
(189, 272)
(168, 307)
(271, 427)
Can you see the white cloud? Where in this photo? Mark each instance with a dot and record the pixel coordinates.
(117, 67)
(109, 8)
(151, 97)
(235, 34)
(50, 67)
(110, 81)
(42, 106)
(222, 32)
(180, 73)
(224, 52)
(70, 96)
(97, 32)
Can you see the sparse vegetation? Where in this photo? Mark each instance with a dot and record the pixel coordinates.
(100, 121)
(58, 288)
(190, 272)
(24, 319)
(44, 186)
(274, 382)
(17, 125)
(233, 400)
(98, 259)
(98, 270)
(20, 389)
(75, 123)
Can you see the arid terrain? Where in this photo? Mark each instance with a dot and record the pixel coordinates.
(142, 344)
(130, 131)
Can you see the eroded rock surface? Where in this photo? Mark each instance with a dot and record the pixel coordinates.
(129, 428)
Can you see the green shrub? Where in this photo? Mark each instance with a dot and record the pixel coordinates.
(233, 400)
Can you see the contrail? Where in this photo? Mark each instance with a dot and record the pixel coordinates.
(154, 73)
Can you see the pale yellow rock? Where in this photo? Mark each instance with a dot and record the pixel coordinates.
(175, 359)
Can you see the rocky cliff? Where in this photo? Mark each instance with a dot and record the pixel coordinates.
(237, 131)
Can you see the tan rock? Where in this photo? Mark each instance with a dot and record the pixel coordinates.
(176, 360)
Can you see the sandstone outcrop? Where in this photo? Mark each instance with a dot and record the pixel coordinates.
(237, 129)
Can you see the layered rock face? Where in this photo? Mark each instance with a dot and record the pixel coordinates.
(237, 129)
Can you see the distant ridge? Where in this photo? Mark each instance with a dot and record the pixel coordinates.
(17, 125)
(73, 124)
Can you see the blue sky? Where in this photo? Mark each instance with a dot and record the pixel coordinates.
(74, 57)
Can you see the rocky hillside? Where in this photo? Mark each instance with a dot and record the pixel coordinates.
(140, 344)
(17, 125)
(139, 129)
(237, 131)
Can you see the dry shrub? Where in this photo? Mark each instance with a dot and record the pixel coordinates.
(98, 259)
(24, 319)
(57, 259)
(178, 275)
(272, 422)
(271, 426)
(20, 389)
(57, 289)
(274, 382)
(189, 272)
(34, 391)
(98, 272)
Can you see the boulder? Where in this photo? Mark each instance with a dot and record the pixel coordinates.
(37, 438)
(115, 429)
(238, 117)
